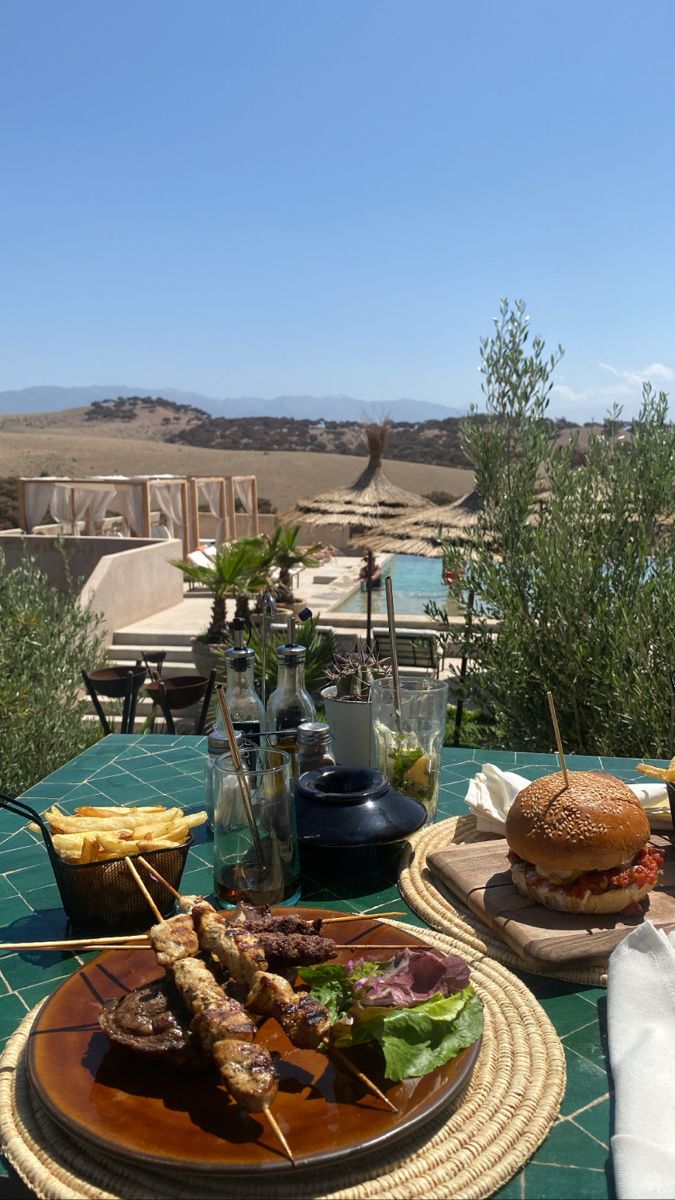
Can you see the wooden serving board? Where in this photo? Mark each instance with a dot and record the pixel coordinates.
(479, 873)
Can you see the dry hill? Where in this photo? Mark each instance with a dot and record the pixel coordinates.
(283, 476)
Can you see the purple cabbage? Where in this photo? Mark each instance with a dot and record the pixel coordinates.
(413, 977)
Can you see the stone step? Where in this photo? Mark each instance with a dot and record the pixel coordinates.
(159, 639)
(131, 654)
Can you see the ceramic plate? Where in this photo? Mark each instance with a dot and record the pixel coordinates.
(181, 1119)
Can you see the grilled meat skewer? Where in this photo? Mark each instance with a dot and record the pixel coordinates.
(246, 1070)
(223, 1026)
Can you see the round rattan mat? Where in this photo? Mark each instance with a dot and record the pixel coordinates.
(468, 1150)
(443, 911)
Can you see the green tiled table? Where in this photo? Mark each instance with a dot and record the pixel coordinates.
(574, 1159)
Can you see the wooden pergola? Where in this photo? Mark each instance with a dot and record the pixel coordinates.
(87, 499)
(221, 493)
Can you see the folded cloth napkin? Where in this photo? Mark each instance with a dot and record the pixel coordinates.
(641, 1029)
(491, 793)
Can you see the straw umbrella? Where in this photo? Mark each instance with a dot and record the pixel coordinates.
(418, 533)
(371, 500)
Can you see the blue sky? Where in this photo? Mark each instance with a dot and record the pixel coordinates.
(280, 196)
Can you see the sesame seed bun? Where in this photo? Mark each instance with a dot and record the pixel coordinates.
(594, 824)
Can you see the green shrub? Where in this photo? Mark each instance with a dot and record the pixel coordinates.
(580, 577)
(45, 640)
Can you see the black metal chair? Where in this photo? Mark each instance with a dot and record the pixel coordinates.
(178, 692)
(153, 660)
(116, 683)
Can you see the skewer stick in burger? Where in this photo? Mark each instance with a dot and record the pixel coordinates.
(581, 848)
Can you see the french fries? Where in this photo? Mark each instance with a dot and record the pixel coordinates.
(96, 834)
(667, 774)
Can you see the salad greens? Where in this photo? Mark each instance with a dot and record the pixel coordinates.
(415, 1039)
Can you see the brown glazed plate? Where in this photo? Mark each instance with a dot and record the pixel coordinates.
(180, 1119)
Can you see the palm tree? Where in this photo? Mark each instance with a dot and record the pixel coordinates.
(283, 552)
(238, 569)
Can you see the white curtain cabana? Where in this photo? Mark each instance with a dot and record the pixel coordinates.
(246, 491)
(221, 493)
(71, 501)
(219, 496)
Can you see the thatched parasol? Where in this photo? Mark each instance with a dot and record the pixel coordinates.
(371, 500)
(419, 533)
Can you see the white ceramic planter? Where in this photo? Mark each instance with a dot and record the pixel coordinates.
(351, 728)
(205, 660)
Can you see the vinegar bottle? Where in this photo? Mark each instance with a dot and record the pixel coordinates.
(290, 703)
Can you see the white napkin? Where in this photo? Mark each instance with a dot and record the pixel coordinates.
(491, 793)
(641, 1027)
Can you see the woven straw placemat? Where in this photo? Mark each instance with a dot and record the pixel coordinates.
(468, 1150)
(441, 909)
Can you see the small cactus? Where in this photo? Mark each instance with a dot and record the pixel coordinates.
(353, 673)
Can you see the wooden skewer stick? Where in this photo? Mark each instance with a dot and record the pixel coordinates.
(275, 1126)
(117, 946)
(159, 878)
(270, 1117)
(77, 943)
(349, 1066)
(361, 917)
(144, 890)
(556, 729)
(378, 946)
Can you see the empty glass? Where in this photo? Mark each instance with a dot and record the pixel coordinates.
(409, 743)
(267, 873)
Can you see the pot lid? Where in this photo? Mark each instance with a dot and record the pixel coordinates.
(353, 806)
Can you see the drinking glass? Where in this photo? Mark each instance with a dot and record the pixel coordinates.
(270, 873)
(409, 740)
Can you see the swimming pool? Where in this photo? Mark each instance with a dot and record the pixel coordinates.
(415, 579)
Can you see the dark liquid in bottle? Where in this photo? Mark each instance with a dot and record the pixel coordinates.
(250, 732)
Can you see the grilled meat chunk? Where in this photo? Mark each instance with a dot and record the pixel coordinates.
(227, 1019)
(305, 1022)
(174, 939)
(259, 920)
(294, 949)
(187, 904)
(196, 985)
(248, 1073)
(235, 949)
(153, 1021)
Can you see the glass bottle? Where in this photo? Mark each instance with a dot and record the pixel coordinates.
(290, 703)
(217, 746)
(314, 746)
(246, 707)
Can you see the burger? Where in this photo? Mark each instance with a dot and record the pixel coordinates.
(582, 847)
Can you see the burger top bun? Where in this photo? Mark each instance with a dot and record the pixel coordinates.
(592, 825)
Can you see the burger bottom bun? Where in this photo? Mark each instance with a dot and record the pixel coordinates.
(613, 900)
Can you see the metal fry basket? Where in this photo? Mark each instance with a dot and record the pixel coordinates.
(103, 895)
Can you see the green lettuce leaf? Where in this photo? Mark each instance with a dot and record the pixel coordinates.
(329, 983)
(405, 1058)
(414, 1040)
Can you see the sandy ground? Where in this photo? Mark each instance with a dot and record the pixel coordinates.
(283, 476)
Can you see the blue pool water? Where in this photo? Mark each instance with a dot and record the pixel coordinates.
(415, 579)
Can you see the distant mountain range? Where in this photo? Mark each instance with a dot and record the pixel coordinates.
(47, 399)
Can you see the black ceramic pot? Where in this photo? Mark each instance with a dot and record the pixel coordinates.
(344, 807)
